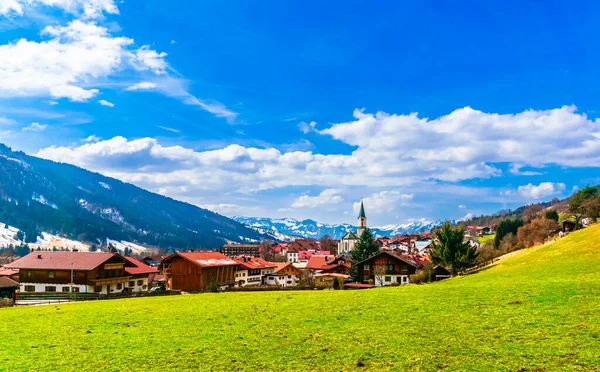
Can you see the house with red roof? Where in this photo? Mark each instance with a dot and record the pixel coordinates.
(251, 270)
(285, 275)
(195, 271)
(85, 272)
(319, 262)
(140, 275)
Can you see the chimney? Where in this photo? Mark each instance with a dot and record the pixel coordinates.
(75, 250)
(39, 256)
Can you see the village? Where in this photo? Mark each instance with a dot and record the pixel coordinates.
(47, 276)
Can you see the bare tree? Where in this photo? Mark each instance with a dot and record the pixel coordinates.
(532, 211)
(328, 244)
(266, 250)
(379, 271)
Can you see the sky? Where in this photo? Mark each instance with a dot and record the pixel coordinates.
(426, 110)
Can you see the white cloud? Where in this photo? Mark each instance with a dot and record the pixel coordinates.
(328, 196)
(466, 217)
(462, 206)
(7, 121)
(146, 58)
(173, 41)
(168, 129)
(516, 170)
(306, 127)
(36, 127)
(106, 103)
(64, 66)
(84, 8)
(91, 138)
(392, 153)
(384, 201)
(543, 190)
(144, 85)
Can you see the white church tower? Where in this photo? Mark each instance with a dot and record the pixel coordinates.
(362, 220)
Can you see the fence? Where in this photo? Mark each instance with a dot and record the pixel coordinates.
(25, 299)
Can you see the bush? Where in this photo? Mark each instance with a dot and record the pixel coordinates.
(394, 284)
(423, 276)
(536, 232)
(214, 287)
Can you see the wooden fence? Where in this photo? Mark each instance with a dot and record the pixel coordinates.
(27, 299)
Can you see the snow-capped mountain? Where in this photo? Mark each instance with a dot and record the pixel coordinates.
(289, 228)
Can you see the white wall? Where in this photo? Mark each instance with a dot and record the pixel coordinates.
(282, 280)
(41, 287)
(393, 278)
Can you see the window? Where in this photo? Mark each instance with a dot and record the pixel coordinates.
(66, 289)
(131, 284)
(390, 267)
(50, 274)
(387, 279)
(29, 274)
(366, 267)
(98, 289)
(140, 282)
(405, 279)
(50, 288)
(75, 289)
(119, 286)
(29, 288)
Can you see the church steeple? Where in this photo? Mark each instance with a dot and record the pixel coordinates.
(362, 220)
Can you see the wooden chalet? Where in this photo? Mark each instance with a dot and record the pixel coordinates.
(386, 268)
(194, 271)
(8, 287)
(85, 272)
(140, 275)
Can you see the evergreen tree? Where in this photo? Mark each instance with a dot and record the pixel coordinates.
(552, 215)
(449, 249)
(363, 249)
(506, 227)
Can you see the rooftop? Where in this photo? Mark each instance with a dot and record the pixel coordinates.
(84, 261)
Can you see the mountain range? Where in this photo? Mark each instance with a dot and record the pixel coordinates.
(38, 195)
(289, 228)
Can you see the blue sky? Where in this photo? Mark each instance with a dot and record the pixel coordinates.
(428, 111)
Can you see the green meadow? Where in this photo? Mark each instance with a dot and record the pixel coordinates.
(485, 238)
(538, 310)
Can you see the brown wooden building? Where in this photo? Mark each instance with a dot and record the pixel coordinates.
(386, 268)
(85, 272)
(194, 271)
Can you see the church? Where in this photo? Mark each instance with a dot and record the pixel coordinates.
(350, 239)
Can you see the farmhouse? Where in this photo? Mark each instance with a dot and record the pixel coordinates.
(140, 275)
(86, 272)
(251, 270)
(386, 268)
(194, 271)
(319, 262)
(285, 275)
(8, 288)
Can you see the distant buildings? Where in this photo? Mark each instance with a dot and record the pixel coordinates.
(348, 241)
(232, 250)
(386, 268)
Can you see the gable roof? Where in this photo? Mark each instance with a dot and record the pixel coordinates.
(318, 262)
(303, 255)
(403, 258)
(139, 267)
(350, 236)
(204, 258)
(8, 272)
(84, 261)
(253, 263)
(8, 283)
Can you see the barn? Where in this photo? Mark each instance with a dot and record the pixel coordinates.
(195, 271)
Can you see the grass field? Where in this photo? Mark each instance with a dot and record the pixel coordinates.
(485, 238)
(537, 310)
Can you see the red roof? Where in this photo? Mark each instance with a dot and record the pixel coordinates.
(305, 255)
(205, 258)
(157, 278)
(8, 272)
(140, 268)
(85, 261)
(251, 263)
(8, 283)
(319, 262)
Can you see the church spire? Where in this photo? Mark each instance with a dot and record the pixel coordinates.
(362, 219)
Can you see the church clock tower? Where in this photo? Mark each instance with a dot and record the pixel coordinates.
(362, 220)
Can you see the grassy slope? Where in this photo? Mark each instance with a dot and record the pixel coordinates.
(485, 238)
(537, 309)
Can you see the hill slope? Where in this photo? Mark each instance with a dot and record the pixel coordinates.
(40, 195)
(536, 310)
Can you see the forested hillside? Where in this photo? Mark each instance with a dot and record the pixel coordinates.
(40, 195)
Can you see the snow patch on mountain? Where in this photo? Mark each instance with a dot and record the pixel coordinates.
(289, 228)
(105, 185)
(121, 245)
(43, 200)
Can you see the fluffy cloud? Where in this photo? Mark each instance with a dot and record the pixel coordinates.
(143, 85)
(64, 66)
(328, 196)
(543, 190)
(85, 8)
(384, 201)
(306, 127)
(393, 152)
(104, 102)
(36, 127)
